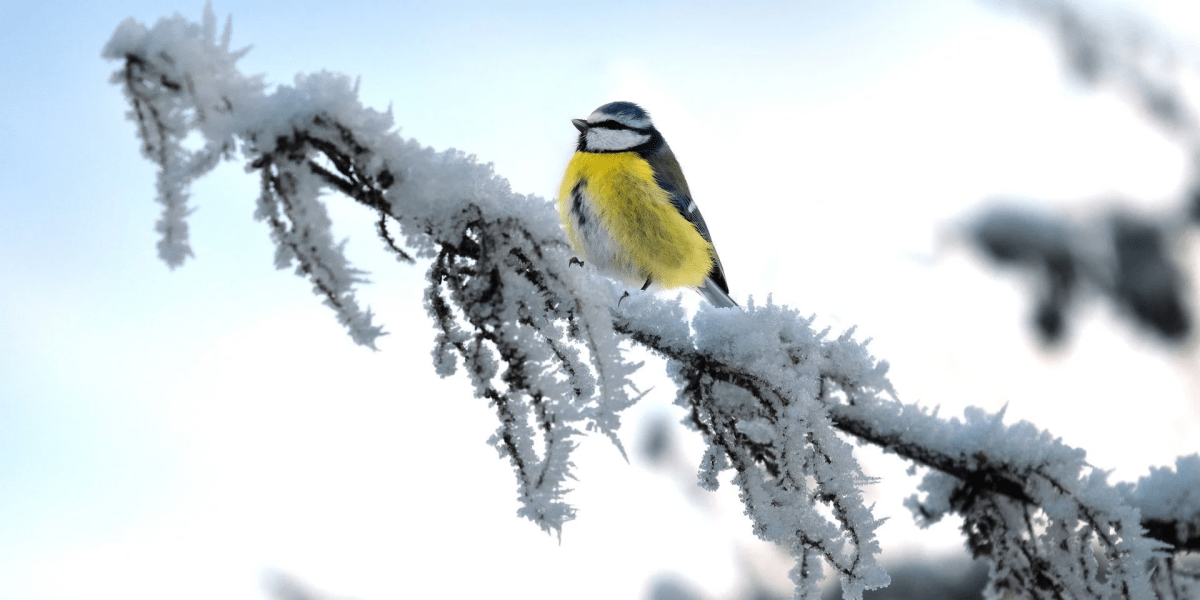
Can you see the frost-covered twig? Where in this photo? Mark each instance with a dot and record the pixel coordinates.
(1169, 501)
(513, 323)
(541, 340)
(1029, 503)
(756, 384)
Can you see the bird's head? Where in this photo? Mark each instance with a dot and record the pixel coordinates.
(615, 127)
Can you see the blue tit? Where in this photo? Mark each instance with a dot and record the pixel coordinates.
(628, 211)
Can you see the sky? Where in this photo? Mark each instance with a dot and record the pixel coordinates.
(181, 433)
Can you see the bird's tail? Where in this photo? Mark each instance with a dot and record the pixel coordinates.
(715, 295)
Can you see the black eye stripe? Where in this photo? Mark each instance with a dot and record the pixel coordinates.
(610, 124)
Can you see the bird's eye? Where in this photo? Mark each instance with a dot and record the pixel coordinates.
(610, 124)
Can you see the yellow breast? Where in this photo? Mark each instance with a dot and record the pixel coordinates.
(647, 237)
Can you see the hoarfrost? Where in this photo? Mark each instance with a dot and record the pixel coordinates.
(545, 343)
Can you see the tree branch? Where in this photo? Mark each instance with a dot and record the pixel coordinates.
(543, 343)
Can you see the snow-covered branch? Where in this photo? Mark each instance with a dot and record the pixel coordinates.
(544, 341)
(535, 336)
(758, 384)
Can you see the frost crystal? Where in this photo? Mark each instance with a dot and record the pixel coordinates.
(542, 342)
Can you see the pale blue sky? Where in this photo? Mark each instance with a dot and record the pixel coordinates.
(170, 434)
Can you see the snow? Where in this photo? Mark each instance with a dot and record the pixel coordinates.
(545, 342)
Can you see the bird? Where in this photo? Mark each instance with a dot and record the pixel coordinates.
(627, 209)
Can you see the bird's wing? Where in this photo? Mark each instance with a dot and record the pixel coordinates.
(669, 176)
(715, 295)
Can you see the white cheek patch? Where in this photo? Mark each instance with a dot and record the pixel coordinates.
(600, 138)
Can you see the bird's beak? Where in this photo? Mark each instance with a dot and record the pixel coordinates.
(580, 124)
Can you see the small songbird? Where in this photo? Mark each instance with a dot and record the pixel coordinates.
(628, 211)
